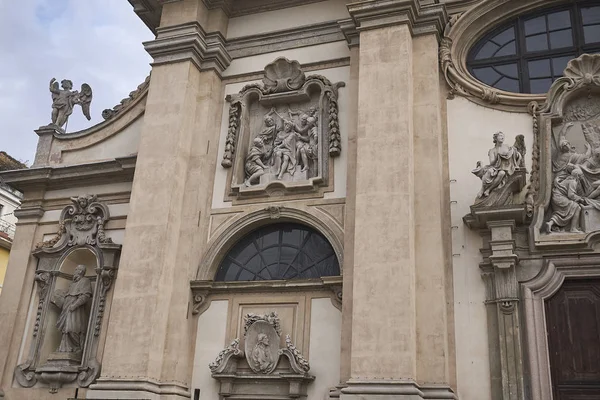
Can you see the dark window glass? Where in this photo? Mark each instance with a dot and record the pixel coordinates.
(279, 252)
(529, 53)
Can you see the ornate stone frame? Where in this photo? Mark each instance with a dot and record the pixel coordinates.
(463, 31)
(534, 293)
(581, 78)
(283, 83)
(86, 232)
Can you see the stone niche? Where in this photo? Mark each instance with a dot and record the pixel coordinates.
(75, 271)
(261, 369)
(567, 176)
(282, 133)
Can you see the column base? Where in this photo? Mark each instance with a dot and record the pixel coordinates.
(131, 388)
(394, 390)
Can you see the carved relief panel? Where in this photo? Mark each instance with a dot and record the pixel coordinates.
(75, 271)
(282, 133)
(565, 187)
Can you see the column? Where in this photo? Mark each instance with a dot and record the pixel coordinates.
(401, 323)
(149, 334)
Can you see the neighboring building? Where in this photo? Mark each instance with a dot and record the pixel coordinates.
(10, 199)
(291, 206)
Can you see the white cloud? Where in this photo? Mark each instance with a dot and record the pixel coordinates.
(98, 42)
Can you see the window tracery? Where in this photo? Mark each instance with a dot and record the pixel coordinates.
(530, 52)
(280, 251)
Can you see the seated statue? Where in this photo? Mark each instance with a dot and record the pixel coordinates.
(504, 160)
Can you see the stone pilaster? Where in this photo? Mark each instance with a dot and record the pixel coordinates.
(17, 290)
(400, 259)
(149, 334)
(503, 312)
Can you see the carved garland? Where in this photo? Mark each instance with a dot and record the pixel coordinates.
(235, 111)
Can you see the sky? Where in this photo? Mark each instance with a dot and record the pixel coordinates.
(98, 42)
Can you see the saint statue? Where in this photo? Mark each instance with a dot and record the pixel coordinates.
(65, 99)
(504, 161)
(261, 356)
(73, 319)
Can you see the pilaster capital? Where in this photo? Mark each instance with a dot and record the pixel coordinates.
(427, 18)
(225, 5)
(189, 42)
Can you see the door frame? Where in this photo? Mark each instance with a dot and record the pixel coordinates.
(535, 292)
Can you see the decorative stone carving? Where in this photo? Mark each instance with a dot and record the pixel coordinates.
(73, 318)
(64, 99)
(282, 131)
(77, 306)
(83, 222)
(564, 194)
(110, 113)
(233, 350)
(504, 175)
(263, 373)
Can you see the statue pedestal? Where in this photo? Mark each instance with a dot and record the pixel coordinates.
(60, 368)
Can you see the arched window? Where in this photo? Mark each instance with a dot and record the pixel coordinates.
(529, 53)
(279, 251)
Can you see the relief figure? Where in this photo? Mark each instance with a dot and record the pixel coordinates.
(255, 160)
(504, 160)
(567, 157)
(567, 198)
(284, 150)
(261, 355)
(73, 318)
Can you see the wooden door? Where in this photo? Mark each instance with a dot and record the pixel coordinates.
(573, 322)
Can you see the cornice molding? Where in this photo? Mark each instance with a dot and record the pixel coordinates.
(463, 31)
(310, 35)
(189, 42)
(421, 19)
(116, 170)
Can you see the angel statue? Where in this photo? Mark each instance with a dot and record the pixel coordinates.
(63, 101)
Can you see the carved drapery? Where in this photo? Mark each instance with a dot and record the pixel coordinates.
(81, 228)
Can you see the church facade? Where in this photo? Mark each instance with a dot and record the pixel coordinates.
(320, 199)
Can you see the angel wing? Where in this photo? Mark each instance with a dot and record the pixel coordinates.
(521, 148)
(85, 98)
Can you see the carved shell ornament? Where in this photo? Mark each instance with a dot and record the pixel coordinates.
(586, 67)
(283, 75)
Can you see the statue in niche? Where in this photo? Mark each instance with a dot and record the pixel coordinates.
(504, 161)
(73, 319)
(261, 354)
(65, 99)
